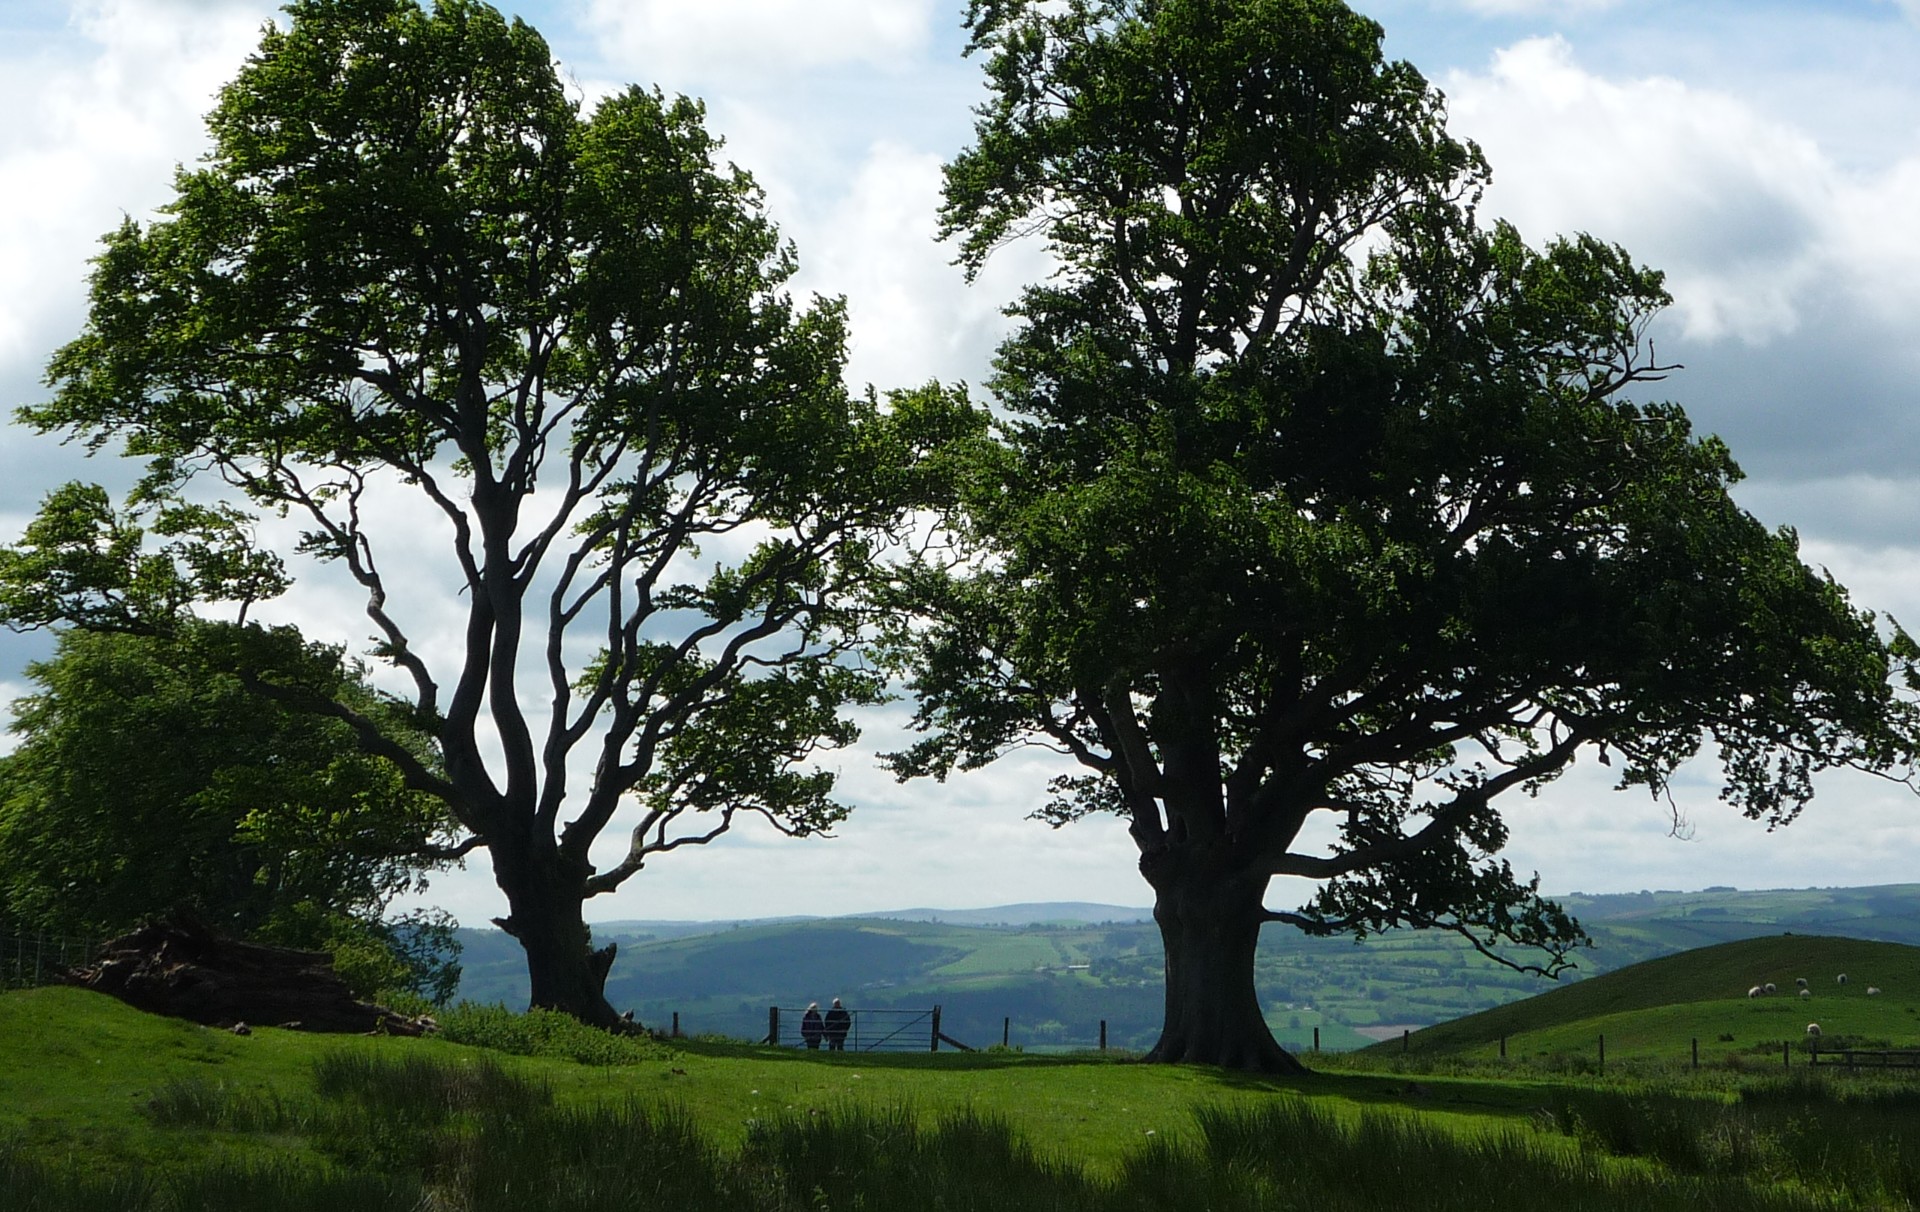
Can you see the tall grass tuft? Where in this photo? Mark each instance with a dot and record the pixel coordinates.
(864, 1157)
(591, 1159)
(425, 1090)
(285, 1187)
(1859, 1144)
(544, 1033)
(197, 1102)
(396, 1115)
(1289, 1154)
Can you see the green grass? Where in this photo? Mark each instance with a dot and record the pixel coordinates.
(104, 1107)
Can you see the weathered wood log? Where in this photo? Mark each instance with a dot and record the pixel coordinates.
(184, 969)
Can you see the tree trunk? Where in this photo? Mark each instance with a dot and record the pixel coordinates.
(567, 974)
(1209, 911)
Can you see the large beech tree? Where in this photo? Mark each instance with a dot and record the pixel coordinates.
(414, 283)
(1319, 519)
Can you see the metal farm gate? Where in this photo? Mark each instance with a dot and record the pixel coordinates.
(870, 1030)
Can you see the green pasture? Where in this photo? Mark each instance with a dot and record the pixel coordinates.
(78, 1069)
(1654, 1010)
(104, 1107)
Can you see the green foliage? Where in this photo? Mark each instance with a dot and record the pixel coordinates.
(148, 778)
(81, 562)
(413, 957)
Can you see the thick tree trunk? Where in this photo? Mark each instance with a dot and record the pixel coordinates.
(567, 974)
(1209, 911)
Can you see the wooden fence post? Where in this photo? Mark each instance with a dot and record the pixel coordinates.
(1603, 1054)
(1006, 1030)
(1503, 1047)
(1103, 1035)
(1316, 1039)
(773, 1025)
(933, 1045)
(1406, 1039)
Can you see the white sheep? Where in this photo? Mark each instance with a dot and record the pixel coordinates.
(1813, 1030)
(1754, 992)
(1800, 981)
(1806, 993)
(1873, 991)
(1841, 979)
(1770, 988)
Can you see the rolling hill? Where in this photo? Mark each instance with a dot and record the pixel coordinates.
(1056, 971)
(1661, 1005)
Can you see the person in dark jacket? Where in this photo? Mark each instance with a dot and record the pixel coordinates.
(811, 1028)
(838, 1023)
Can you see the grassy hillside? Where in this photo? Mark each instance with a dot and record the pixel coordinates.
(1657, 1007)
(102, 1107)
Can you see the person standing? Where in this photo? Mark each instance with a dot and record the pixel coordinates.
(811, 1026)
(838, 1023)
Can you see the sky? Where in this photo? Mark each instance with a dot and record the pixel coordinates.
(1764, 153)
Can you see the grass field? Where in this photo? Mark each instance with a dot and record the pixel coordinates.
(102, 1107)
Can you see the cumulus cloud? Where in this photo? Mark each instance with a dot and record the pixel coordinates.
(1745, 212)
(94, 136)
(740, 41)
(911, 317)
(1691, 181)
(95, 123)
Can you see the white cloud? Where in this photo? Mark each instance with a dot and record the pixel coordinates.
(90, 137)
(911, 318)
(741, 41)
(1691, 181)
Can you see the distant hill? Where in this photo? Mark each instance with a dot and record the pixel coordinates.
(1662, 1005)
(1078, 912)
(1056, 970)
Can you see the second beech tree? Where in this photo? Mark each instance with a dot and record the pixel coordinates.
(1324, 514)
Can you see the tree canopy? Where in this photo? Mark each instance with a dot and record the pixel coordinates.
(415, 277)
(148, 780)
(1323, 514)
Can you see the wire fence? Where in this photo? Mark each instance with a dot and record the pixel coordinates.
(30, 960)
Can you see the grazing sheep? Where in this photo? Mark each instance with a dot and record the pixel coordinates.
(1754, 992)
(1800, 981)
(1841, 979)
(1806, 993)
(1770, 988)
(1873, 991)
(1813, 1030)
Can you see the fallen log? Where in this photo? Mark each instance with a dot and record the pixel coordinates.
(184, 969)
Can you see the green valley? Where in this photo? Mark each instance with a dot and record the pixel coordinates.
(1048, 975)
